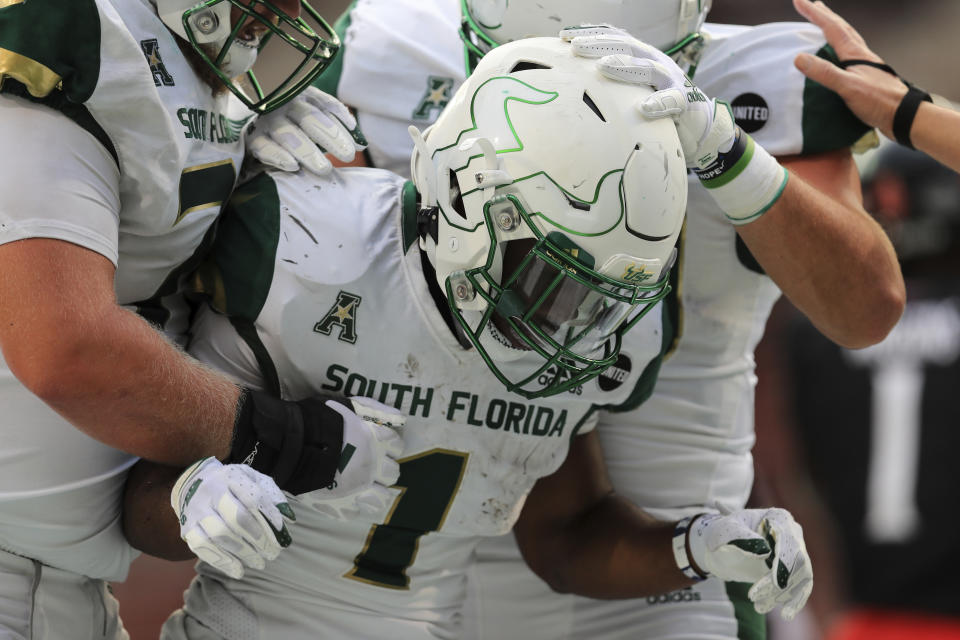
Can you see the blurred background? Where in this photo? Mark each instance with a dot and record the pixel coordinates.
(912, 37)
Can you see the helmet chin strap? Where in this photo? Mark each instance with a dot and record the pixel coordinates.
(493, 341)
(240, 58)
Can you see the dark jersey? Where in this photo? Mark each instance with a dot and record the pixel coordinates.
(880, 430)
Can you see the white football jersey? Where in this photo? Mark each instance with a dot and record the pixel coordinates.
(400, 63)
(324, 285)
(688, 447)
(121, 149)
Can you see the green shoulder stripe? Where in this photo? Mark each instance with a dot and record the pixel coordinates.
(827, 122)
(50, 45)
(239, 268)
(50, 54)
(329, 80)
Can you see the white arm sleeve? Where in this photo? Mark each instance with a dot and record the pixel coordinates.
(56, 180)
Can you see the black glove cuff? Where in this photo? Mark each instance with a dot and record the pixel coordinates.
(906, 112)
(297, 444)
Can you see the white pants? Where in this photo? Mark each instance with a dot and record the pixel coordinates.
(38, 602)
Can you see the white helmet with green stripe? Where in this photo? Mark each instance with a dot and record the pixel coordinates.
(673, 26)
(550, 208)
(228, 35)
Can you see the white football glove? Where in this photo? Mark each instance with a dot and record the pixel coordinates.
(761, 546)
(231, 516)
(368, 465)
(299, 133)
(739, 174)
(705, 125)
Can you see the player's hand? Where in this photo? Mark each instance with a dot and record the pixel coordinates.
(872, 94)
(761, 546)
(299, 133)
(368, 465)
(231, 516)
(705, 125)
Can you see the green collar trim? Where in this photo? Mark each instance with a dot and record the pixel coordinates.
(408, 214)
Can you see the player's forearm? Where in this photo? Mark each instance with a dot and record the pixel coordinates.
(149, 523)
(613, 551)
(833, 261)
(936, 131)
(121, 382)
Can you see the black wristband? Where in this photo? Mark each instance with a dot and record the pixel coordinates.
(297, 444)
(906, 112)
(883, 66)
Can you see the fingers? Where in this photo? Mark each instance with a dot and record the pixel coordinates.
(331, 105)
(625, 68)
(798, 598)
(587, 30)
(822, 71)
(845, 40)
(323, 130)
(198, 542)
(297, 143)
(790, 579)
(668, 102)
(607, 44)
(270, 504)
(373, 411)
(270, 153)
(390, 438)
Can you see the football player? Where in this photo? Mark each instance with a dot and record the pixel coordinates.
(819, 247)
(123, 131)
(893, 402)
(487, 300)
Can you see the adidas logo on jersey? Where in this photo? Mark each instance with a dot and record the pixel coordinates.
(686, 594)
(151, 49)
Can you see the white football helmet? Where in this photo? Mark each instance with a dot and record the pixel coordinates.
(220, 31)
(670, 25)
(550, 208)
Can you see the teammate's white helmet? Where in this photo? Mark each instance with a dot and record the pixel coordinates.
(550, 208)
(670, 25)
(225, 45)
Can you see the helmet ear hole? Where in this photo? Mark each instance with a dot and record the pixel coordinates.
(456, 199)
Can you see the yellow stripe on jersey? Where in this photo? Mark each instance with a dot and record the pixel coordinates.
(38, 79)
(8, 3)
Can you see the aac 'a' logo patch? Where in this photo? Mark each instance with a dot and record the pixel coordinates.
(750, 111)
(615, 375)
(160, 74)
(342, 314)
(436, 97)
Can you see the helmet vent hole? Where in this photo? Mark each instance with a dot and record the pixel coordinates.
(456, 199)
(587, 100)
(526, 65)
